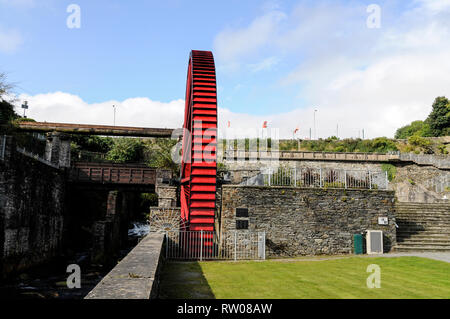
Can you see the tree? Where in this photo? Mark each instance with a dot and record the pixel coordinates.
(439, 118)
(159, 154)
(415, 128)
(7, 113)
(126, 150)
(5, 87)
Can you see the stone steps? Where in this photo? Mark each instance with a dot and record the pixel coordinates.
(423, 227)
(424, 241)
(402, 248)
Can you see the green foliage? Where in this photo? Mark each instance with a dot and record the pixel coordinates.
(420, 144)
(391, 171)
(439, 118)
(442, 148)
(92, 143)
(126, 150)
(332, 144)
(7, 113)
(436, 124)
(24, 119)
(159, 154)
(419, 128)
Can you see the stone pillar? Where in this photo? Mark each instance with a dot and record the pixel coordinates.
(167, 196)
(107, 232)
(57, 150)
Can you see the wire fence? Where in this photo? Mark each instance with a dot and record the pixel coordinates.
(324, 178)
(204, 245)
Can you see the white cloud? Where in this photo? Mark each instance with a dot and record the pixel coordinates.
(10, 40)
(376, 79)
(68, 108)
(434, 6)
(264, 65)
(233, 44)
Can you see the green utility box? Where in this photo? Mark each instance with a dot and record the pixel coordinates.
(358, 244)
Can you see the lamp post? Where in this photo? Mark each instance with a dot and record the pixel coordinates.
(25, 107)
(114, 107)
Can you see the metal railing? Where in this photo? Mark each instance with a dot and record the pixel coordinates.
(439, 161)
(205, 245)
(325, 178)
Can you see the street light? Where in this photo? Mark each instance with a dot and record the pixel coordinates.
(114, 107)
(25, 107)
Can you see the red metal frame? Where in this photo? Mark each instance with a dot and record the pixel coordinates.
(198, 165)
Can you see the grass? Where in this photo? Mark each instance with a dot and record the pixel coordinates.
(401, 277)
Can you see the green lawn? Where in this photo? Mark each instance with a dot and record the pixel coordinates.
(401, 277)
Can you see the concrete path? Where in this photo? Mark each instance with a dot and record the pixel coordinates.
(443, 256)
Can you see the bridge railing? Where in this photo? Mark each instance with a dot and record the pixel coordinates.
(320, 178)
(110, 173)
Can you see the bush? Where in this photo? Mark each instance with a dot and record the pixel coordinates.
(391, 171)
(420, 144)
(126, 150)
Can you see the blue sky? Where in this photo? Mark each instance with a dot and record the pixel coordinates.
(276, 60)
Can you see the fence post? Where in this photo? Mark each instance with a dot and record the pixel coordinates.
(270, 170)
(370, 180)
(320, 177)
(295, 176)
(235, 244)
(166, 237)
(201, 244)
(345, 178)
(264, 245)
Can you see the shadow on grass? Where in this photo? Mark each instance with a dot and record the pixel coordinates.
(183, 280)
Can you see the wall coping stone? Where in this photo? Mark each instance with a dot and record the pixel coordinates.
(136, 276)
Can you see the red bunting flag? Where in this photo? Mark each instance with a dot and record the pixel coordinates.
(265, 124)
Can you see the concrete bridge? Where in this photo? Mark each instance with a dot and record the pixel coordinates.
(90, 129)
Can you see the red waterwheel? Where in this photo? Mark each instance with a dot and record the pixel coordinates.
(198, 166)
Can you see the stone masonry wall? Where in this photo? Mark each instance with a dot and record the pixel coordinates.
(31, 211)
(300, 221)
(413, 183)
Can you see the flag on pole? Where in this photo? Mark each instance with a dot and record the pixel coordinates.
(296, 130)
(265, 124)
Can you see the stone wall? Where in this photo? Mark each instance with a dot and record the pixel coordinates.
(413, 182)
(300, 221)
(421, 184)
(31, 211)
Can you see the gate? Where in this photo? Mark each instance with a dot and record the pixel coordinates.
(205, 245)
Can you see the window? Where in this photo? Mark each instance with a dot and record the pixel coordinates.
(241, 224)
(241, 212)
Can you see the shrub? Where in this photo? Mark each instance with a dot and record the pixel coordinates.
(391, 171)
